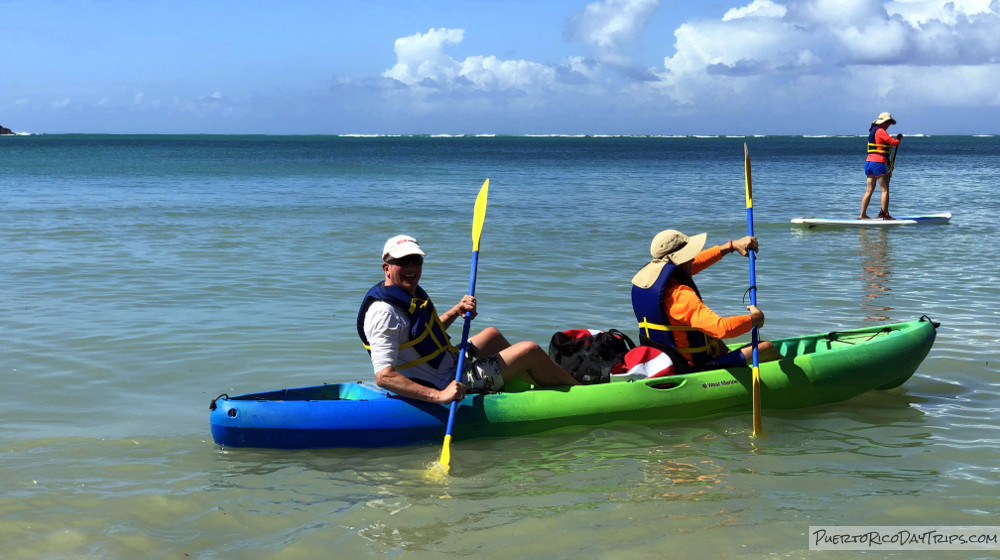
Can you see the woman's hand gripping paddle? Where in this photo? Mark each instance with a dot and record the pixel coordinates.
(758, 428)
(479, 216)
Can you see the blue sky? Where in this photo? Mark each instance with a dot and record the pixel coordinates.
(499, 66)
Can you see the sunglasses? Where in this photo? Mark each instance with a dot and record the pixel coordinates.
(409, 260)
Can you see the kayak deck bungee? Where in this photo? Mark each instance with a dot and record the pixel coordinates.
(924, 219)
(817, 369)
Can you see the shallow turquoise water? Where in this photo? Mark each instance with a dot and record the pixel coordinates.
(143, 276)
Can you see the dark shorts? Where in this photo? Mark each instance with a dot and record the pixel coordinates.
(734, 358)
(875, 169)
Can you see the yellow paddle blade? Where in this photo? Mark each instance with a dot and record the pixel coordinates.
(746, 173)
(438, 471)
(758, 425)
(446, 453)
(442, 465)
(478, 217)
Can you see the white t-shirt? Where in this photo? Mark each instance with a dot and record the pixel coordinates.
(387, 328)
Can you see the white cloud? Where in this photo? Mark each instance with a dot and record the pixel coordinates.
(423, 64)
(857, 49)
(611, 26)
(490, 73)
(936, 85)
(421, 57)
(918, 12)
(788, 58)
(757, 8)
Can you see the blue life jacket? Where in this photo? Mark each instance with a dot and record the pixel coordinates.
(427, 333)
(654, 324)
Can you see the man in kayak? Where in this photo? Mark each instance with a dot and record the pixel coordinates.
(877, 164)
(671, 314)
(411, 352)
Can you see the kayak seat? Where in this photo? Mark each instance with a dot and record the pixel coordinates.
(793, 348)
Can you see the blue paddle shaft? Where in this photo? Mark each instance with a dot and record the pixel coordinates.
(465, 340)
(753, 284)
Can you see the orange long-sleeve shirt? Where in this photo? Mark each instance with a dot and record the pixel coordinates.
(685, 308)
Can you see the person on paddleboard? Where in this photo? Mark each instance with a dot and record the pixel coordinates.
(672, 315)
(877, 165)
(410, 349)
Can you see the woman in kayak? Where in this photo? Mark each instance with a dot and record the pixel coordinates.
(670, 311)
(402, 332)
(877, 164)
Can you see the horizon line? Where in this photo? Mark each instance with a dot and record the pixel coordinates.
(488, 135)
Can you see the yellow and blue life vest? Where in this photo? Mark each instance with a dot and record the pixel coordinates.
(874, 147)
(654, 324)
(427, 332)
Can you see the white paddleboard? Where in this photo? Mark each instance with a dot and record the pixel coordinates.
(875, 222)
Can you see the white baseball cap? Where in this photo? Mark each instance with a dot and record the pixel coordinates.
(400, 246)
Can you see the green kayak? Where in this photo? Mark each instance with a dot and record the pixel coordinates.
(817, 369)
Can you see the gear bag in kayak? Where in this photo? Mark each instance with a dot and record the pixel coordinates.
(591, 356)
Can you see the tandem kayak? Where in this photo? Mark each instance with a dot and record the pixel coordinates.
(817, 369)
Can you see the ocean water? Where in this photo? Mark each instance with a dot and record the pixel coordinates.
(142, 276)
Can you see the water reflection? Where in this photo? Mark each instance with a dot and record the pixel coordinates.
(876, 269)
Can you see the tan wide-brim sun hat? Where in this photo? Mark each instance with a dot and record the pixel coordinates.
(669, 246)
(884, 117)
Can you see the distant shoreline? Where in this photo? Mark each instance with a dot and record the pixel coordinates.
(497, 136)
